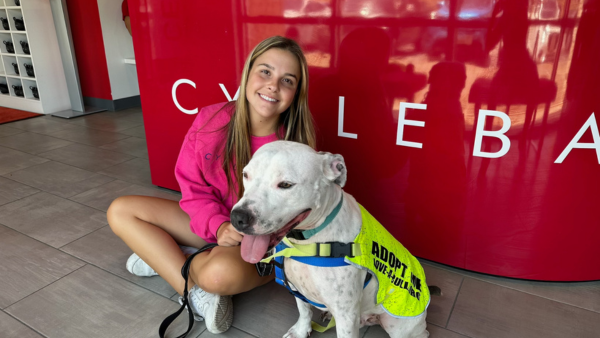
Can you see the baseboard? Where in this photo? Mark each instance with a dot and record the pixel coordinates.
(113, 105)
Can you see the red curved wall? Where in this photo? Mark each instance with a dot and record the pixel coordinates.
(473, 180)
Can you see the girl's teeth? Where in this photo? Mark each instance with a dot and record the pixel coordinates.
(267, 98)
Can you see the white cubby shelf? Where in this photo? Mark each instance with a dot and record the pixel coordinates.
(48, 81)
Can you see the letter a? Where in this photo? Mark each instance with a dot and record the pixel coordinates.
(375, 249)
(590, 123)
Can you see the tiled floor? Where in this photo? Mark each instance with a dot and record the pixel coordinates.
(62, 271)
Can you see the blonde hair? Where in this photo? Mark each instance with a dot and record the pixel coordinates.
(296, 120)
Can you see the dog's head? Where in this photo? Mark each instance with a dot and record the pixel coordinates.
(284, 182)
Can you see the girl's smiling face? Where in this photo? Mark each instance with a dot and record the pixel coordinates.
(272, 83)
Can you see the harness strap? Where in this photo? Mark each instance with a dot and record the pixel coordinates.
(282, 280)
(322, 250)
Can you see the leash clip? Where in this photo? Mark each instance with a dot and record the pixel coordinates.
(264, 269)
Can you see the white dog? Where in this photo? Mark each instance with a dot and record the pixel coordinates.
(291, 190)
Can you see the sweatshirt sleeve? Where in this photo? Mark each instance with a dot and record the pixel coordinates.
(199, 199)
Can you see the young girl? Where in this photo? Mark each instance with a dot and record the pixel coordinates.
(217, 147)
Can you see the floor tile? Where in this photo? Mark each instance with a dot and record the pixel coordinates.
(93, 303)
(101, 197)
(13, 160)
(136, 131)
(28, 265)
(231, 333)
(12, 191)
(106, 122)
(434, 332)
(488, 310)
(105, 250)
(134, 171)
(135, 117)
(33, 143)
(132, 146)
(6, 130)
(51, 219)
(41, 125)
(270, 311)
(92, 137)
(581, 294)
(441, 306)
(86, 157)
(11, 327)
(59, 179)
(585, 295)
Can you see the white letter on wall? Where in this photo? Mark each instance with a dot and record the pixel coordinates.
(174, 94)
(590, 123)
(237, 94)
(341, 132)
(480, 133)
(402, 121)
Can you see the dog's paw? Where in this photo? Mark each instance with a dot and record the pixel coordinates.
(326, 316)
(297, 331)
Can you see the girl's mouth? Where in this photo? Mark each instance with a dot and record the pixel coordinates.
(267, 98)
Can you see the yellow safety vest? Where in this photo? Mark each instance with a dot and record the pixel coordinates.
(402, 288)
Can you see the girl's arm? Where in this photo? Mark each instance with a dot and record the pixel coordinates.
(199, 200)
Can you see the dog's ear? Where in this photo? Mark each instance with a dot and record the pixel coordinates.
(334, 168)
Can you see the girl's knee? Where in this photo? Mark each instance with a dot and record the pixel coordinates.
(119, 209)
(218, 275)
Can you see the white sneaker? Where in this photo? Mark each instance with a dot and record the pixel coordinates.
(136, 266)
(215, 310)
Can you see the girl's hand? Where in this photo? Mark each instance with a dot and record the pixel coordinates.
(228, 236)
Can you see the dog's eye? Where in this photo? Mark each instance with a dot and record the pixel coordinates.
(285, 185)
(245, 174)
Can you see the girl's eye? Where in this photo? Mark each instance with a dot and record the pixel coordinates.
(285, 185)
(265, 71)
(288, 81)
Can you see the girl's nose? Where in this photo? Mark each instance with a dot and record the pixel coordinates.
(272, 86)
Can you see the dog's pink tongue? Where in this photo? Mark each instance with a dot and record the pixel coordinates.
(254, 247)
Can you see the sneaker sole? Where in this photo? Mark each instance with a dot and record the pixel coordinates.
(224, 323)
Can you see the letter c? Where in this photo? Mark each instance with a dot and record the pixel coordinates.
(174, 94)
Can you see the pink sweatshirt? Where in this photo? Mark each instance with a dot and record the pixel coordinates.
(205, 195)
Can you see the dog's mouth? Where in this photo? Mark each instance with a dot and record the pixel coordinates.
(254, 247)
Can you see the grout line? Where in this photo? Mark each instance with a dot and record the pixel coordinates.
(25, 324)
(33, 293)
(497, 281)
(246, 332)
(112, 273)
(464, 335)
(455, 300)
(76, 239)
(65, 198)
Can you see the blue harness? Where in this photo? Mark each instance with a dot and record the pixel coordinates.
(281, 278)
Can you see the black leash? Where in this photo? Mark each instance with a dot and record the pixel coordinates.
(185, 271)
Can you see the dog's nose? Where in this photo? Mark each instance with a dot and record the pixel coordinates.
(241, 219)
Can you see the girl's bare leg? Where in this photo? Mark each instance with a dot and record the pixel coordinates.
(153, 227)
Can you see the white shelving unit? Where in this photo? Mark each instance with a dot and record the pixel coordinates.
(46, 78)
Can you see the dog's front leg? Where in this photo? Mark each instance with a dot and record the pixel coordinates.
(347, 319)
(302, 328)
